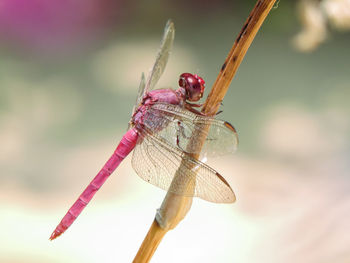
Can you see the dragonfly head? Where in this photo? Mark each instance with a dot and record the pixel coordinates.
(192, 85)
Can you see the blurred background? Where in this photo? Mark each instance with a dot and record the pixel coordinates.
(69, 73)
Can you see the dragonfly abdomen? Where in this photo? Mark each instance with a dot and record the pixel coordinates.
(125, 146)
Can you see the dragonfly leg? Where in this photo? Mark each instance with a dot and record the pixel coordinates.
(213, 112)
(189, 107)
(196, 105)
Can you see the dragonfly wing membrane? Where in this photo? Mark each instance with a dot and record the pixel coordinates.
(162, 56)
(158, 163)
(177, 126)
(159, 65)
(140, 93)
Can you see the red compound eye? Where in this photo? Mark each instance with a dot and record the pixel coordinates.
(194, 86)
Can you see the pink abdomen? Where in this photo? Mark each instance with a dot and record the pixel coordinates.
(125, 146)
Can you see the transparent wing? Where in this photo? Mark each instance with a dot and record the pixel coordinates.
(157, 162)
(139, 93)
(176, 125)
(162, 56)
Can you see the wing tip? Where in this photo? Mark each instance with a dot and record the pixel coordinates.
(230, 126)
(222, 179)
(230, 198)
(169, 23)
(169, 29)
(233, 129)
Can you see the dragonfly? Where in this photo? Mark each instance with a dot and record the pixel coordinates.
(159, 134)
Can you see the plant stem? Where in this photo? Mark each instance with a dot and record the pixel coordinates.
(236, 54)
(150, 243)
(174, 207)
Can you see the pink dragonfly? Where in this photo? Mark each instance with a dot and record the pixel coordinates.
(161, 126)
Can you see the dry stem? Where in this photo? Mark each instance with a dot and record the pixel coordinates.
(150, 243)
(175, 207)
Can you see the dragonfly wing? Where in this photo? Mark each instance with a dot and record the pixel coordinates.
(162, 56)
(140, 93)
(176, 125)
(166, 167)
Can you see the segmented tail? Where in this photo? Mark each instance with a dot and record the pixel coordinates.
(125, 146)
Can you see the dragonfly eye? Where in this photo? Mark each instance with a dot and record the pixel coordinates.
(193, 85)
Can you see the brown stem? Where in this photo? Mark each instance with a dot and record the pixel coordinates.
(175, 207)
(150, 243)
(236, 55)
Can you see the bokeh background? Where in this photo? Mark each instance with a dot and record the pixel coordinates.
(69, 73)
